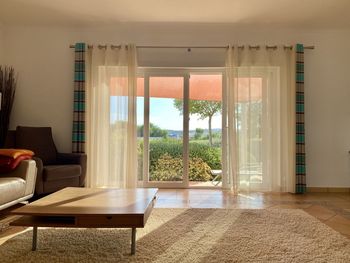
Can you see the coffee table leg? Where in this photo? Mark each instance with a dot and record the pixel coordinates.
(35, 237)
(133, 241)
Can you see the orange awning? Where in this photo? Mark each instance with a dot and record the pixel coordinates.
(202, 87)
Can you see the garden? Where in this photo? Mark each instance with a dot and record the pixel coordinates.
(166, 159)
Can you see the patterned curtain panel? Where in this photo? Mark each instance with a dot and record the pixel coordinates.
(300, 122)
(78, 136)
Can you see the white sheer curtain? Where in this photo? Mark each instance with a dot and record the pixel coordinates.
(260, 99)
(111, 117)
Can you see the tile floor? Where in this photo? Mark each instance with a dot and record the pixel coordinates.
(331, 208)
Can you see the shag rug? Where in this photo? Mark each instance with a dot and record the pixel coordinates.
(191, 235)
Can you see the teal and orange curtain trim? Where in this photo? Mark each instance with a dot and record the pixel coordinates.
(78, 134)
(300, 168)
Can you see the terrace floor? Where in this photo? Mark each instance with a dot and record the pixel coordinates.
(214, 184)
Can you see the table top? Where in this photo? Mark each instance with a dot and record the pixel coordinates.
(74, 201)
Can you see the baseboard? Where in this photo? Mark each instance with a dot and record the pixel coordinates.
(328, 189)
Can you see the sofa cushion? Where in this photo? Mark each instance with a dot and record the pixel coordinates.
(60, 172)
(39, 140)
(11, 188)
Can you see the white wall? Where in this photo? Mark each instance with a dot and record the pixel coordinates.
(45, 88)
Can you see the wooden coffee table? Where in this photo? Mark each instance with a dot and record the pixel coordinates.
(89, 208)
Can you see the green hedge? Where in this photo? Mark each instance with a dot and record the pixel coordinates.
(210, 155)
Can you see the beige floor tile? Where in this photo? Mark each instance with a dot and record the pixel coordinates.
(345, 196)
(320, 197)
(291, 206)
(320, 212)
(340, 204)
(340, 224)
(174, 205)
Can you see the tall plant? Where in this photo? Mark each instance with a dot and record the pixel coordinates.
(8, 80)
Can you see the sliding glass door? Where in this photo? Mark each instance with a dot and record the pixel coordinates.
(179, 128)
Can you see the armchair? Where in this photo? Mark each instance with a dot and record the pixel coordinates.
(54, 170)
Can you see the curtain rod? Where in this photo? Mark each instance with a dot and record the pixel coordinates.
(190, 47)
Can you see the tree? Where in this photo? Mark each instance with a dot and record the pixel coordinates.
(205, 109)
(154, 131)
(199, 133)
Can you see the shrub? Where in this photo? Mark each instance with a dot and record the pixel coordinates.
(170, 168)
(167, 168)
(199, 170)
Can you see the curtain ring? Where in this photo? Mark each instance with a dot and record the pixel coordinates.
(257, 47)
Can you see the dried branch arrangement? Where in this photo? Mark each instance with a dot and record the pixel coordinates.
(8, 80)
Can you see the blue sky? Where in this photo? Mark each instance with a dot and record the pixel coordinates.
(166, 116)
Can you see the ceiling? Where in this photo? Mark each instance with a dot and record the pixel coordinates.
(286, 13)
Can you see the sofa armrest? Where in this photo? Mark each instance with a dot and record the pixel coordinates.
(74, 158)
(27, 171)
(39, 185)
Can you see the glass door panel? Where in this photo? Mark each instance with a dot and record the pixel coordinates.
(205, 133)
(166, 129)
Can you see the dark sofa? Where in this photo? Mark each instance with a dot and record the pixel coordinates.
(55, 170)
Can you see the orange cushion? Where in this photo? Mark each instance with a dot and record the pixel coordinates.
(14, 153)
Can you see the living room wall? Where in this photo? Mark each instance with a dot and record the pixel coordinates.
(45, 64)
(1, 45)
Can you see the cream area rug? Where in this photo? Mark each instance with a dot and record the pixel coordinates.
(191, 235)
